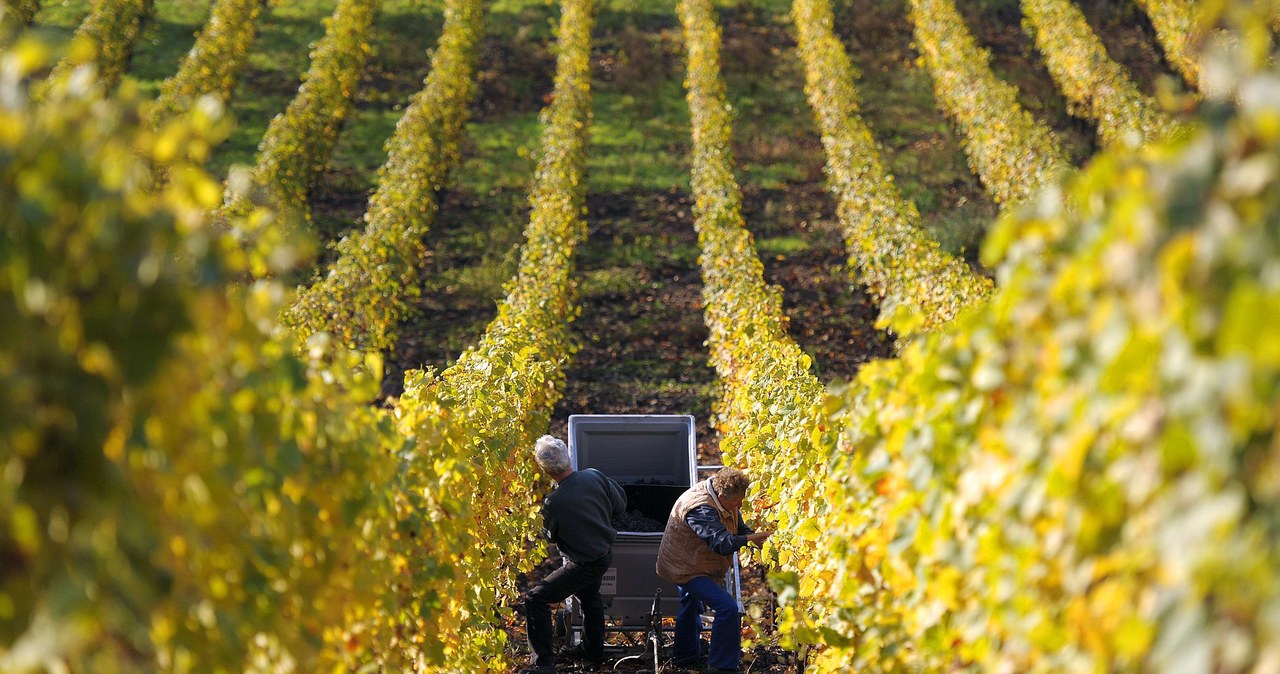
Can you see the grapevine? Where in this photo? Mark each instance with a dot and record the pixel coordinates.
(919, 286)
(1072, 477)
(1013, 153)
(770, 402)
(109, 34)
(1072, 469)
(365, 293)
(471, 484)
(1095, 86)
(1174, 21)
(213, 64)
(181, 489)
(298, 142)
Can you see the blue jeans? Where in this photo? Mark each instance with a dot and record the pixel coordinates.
(726, 629)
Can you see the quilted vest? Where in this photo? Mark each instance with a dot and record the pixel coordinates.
(682, 556)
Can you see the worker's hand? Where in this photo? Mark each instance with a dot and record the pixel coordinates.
(758, 537)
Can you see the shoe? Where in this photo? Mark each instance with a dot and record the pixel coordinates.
(579, 653)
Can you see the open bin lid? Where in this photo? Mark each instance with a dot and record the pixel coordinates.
(635, 448)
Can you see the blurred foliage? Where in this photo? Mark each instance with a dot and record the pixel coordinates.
(21, 12)
(362, 297)
(106, 38)
(918, 284)
(1084, 474)
(1175, 24)
(213, 65)
(181, 491)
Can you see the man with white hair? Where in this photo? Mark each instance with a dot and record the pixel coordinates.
(577, 518)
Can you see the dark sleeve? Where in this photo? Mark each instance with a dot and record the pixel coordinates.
(550, 526)
(706, 525)
(617, 498)
(743, 529)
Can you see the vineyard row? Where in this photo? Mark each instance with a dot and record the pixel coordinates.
(365, 293)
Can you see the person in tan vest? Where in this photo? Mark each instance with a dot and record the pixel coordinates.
(703, 534)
